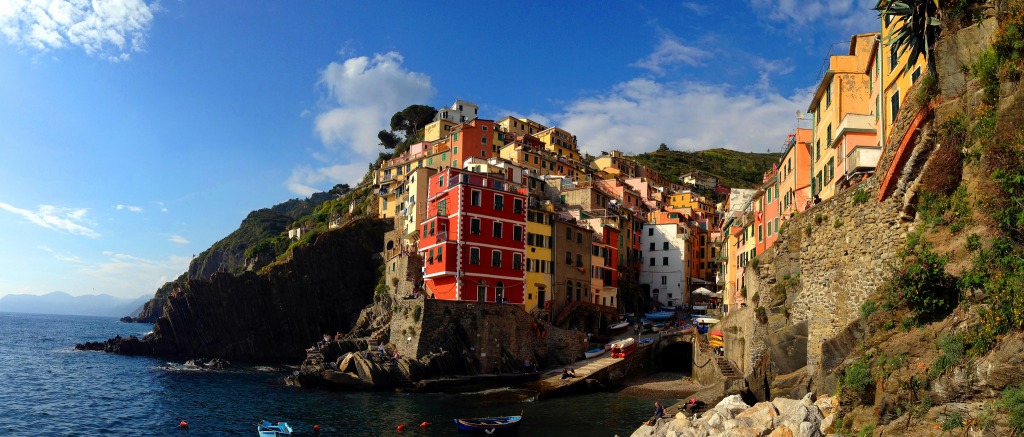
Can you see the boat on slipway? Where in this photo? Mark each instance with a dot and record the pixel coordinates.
(659, 315)
(623, 348)
(594, 352)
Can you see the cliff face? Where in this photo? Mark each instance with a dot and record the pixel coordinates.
(271, 316)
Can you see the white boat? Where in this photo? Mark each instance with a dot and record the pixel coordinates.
(267, 429)
(706, 320)
(618, 327)
(594, 352)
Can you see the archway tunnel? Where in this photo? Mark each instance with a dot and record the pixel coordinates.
(677, 357)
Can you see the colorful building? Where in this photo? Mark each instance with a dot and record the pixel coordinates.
(794, 174)
(667, 250)
(472, 241)
(844, 89)
(540, 264)
(895, 75)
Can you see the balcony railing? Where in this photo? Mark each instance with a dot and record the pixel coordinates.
(862, 158)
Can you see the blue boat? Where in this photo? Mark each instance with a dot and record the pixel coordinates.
(645, 342)
(660, 315)
(267, 429)
(489, 425)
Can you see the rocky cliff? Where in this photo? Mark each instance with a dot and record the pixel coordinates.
(277, 313)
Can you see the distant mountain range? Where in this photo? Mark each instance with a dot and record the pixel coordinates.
(59, 302)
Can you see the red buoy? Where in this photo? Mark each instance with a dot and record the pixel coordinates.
(183, 425)
(424, 424)
(316, 429)
(401, 427)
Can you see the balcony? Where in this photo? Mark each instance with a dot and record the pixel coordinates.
(854, 123)
(862, 159)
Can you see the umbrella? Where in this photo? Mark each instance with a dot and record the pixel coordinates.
(703, 291)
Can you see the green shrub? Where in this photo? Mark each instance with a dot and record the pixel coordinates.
(860, 196)
(973, 242)
(762, 315)
(921, 282)
(838, 224)
(867, 431)
(417, 311)
(1012, 400)
(986, 69)
(954, 349)
(889, 325)
(867, 309)
(755, 263)
(927, 89)
(959, 213)
(820, 218)
(952, 421)
(857, 377)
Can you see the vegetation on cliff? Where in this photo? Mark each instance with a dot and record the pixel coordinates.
(732, 168)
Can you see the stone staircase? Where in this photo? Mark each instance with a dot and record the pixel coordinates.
(728, 371)
(398, 377)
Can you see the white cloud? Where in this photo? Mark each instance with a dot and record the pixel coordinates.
(162, 207)
(178, 239)
(849, 16)
(637, 115)
(61, 257)
(362, 94)
(128, 275)
(304, 178)
(112, 29)
(58, 219)
(670, 52)
(129, 208)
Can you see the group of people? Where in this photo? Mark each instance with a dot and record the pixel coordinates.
(568, 373)
(692, 406)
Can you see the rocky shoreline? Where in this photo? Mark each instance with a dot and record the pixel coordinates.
(806, 417)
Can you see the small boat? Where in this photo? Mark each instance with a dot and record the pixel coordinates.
(658, 327)
(489, 425)
(623, 348)
(706, 320)
(645, 342)
(618, 328)
(660, 315)
(667, 308)
(267, 429)
(594, 352)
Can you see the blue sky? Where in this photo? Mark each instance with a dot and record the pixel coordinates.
(134, 134)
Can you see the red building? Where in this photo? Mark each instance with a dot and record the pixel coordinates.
(473, 239)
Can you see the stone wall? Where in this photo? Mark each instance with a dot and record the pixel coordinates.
(498, 336)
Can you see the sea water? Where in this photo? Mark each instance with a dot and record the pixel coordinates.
(48, 388)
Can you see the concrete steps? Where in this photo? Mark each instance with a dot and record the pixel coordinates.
(728, 371)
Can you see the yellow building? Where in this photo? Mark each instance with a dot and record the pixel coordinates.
(844, 90)
(896, 76)
(438, 129)
(540, 266)
(559, 142)
(520, 126)
(389, 179)
(693, 201)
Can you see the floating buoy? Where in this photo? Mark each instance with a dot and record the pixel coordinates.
(401, 427)
(183, 425)
(316, 429)
(424, 424)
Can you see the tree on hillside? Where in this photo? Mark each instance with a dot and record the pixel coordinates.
(412, 119)
(663, 148)
(387, 139)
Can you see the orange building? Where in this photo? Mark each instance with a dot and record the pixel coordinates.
(794, 174)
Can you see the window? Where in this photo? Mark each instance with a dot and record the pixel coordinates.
(440, 250)
(664, 261)
(499, 202)
(474, 198)
(817, 149)
(483, 140)
(442, 207)
(497, 229)
(828, 95)
(579, 237)
(915, 75)
(664, 245)
(894, 106)
(568, 291)
(481, 292)
(496, 258)
(652, 247)
(430, 257)
(568, 234)
(568, 257)
(499, 292)
(829, 135)
(517, 261)
(474, 255)
(474, 226)
(894, 57)
(664, 280)
(652, 262)
(650, 231)
(518, 206)
(440, 181)
(579, 260)
(517, 233)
